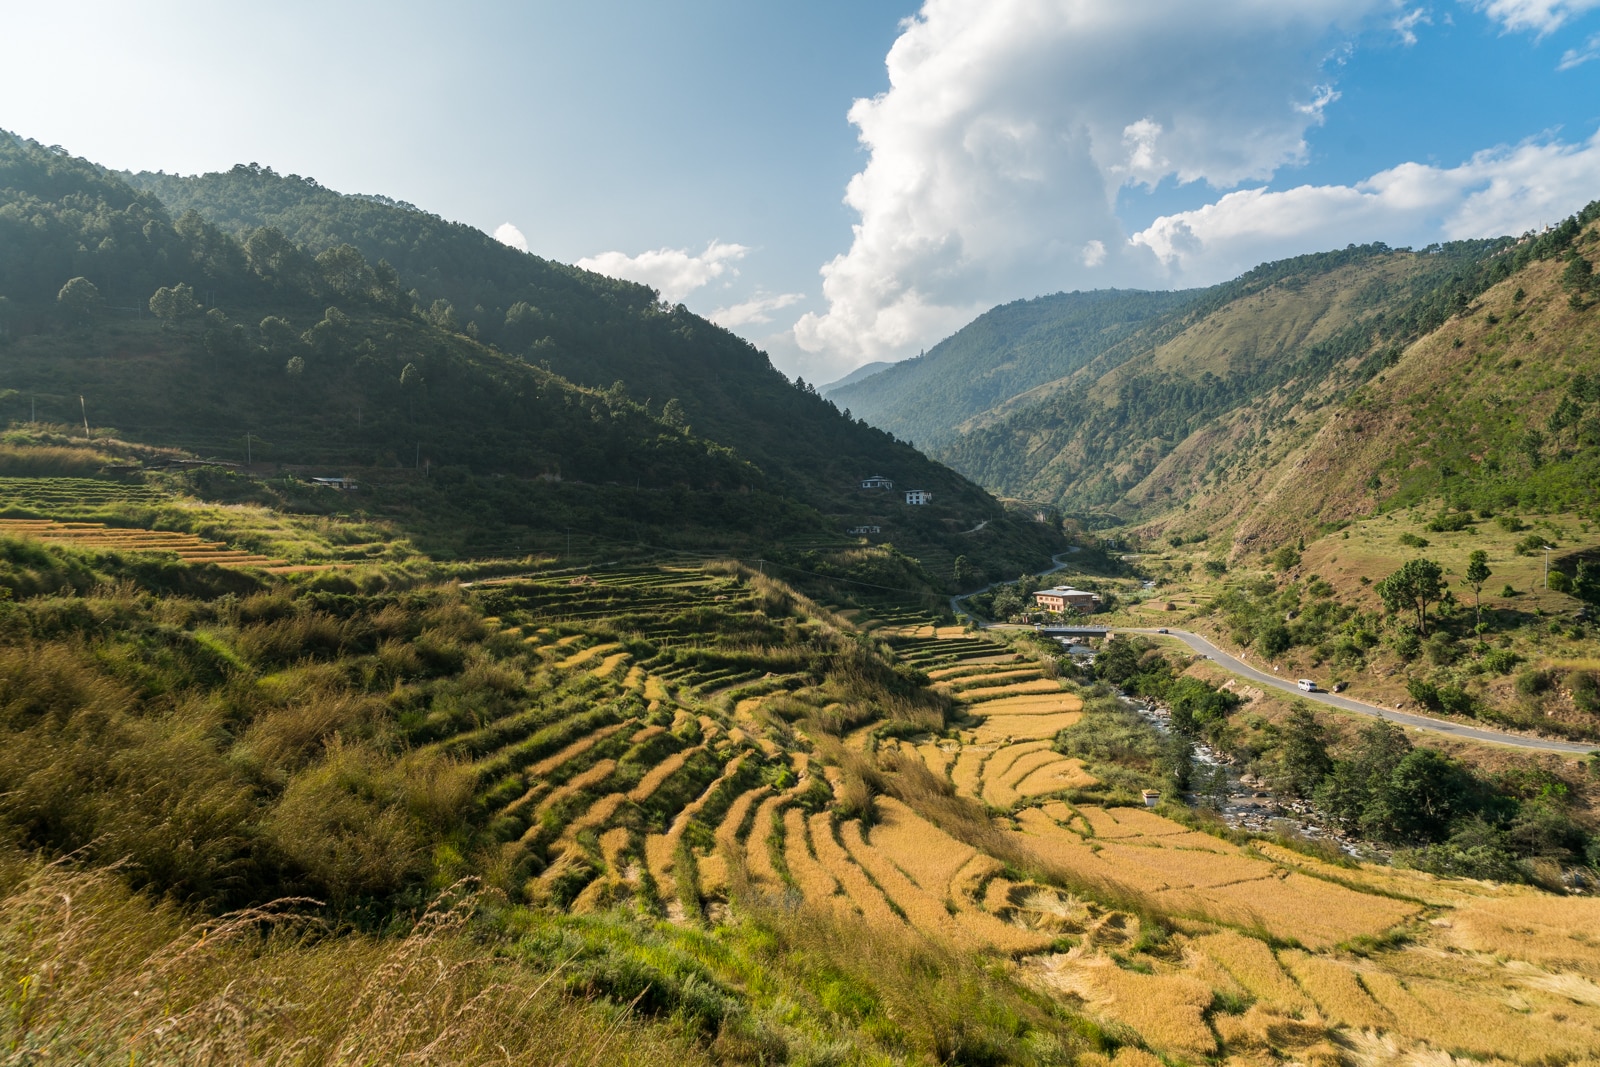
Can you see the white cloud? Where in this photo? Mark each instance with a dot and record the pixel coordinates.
(1501, 191)
(1574, 57)
(755, 311)
(1094, 253)
(673, 272)
(1009, 127)
(508, 234)
(1540, 16)
(1406, 25)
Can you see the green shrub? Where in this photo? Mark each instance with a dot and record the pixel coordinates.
(1450, 521)
(1424, 693)
(1585, 690)
(1529, 545)
(1534, 682)
(1273, 639)
(1411, 540)
(1453, 698)
(1500, 660)
(1441, 648)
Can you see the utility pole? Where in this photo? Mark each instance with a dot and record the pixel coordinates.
(1547, 550)
(85, 409)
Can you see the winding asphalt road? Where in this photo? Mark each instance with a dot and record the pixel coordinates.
(1420, 722)
(955, 602)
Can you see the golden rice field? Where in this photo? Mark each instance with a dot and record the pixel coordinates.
(186, 547)
(692, 782)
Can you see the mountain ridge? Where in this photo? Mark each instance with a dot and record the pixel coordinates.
(323, 354)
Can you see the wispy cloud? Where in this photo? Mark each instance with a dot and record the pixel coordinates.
(1540, 16)
(673, 272)
(1406, 25)
(508, 234)
(755, 311)
(1574, 57)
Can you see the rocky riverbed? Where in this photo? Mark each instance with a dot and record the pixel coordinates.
(1247, 802)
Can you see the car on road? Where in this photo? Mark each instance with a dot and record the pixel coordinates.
(1163, 630)
(1306, 685)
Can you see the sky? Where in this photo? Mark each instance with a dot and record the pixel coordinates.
(851, 180)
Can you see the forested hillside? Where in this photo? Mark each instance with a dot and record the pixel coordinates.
(1494, 411)
(579, 401)
(1004, 352)
(1190, 408)
(591, 329)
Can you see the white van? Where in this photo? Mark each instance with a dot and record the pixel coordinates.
(1307, 685)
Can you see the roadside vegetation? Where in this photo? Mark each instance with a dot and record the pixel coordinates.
(1370, 781)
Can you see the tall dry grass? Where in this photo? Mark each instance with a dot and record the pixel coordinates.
(50, 461)
(94, 974)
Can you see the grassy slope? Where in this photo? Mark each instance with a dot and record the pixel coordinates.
(1449, 419)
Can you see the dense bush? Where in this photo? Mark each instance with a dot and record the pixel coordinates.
(1585, 690)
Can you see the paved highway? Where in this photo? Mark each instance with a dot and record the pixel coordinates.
(1420, 722)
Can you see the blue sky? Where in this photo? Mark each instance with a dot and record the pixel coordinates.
(1019, 147)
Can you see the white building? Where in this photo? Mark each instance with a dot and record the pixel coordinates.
(877, 481)
(1063, 597)
(918, 496)
(865, 529)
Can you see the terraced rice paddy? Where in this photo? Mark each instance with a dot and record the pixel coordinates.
(1444, 993)
(68, 496)
(95, 535)
(686, 772)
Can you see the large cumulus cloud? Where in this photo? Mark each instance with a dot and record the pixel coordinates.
(996, 156)
(1010, 125)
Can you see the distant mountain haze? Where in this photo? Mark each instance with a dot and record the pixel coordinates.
(861, 373)
(1003, 353)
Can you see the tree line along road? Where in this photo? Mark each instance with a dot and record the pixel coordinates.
(1420, 722)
